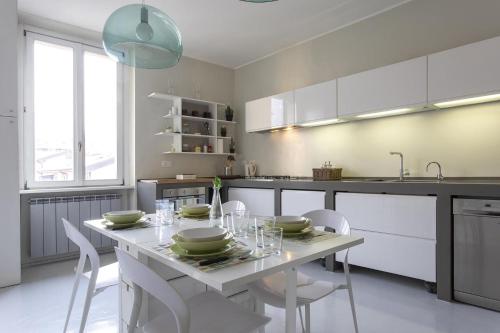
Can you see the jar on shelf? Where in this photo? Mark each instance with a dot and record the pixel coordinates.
(223, 131)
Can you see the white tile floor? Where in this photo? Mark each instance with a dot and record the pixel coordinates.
(385, 303)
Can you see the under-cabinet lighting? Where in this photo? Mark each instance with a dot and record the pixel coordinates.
(384, 113)
(320, 123)
(289, 128)
(468, 101)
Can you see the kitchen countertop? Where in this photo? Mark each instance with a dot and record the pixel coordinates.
(164, 181)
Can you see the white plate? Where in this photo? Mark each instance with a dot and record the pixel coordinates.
(202, 234)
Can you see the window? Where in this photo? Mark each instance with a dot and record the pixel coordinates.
(73, 120)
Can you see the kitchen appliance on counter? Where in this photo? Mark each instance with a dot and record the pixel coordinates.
(476, 252)
(185, 196)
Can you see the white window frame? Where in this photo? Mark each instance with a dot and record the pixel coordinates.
(78, 116)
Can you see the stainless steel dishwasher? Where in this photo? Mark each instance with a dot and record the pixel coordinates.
(477, 252)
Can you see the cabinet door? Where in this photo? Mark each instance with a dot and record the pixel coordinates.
(282, 110)
(258, 115)
(10, 265)
(397, 86)
(413, 257)
(405, 215)
(8, 58)
(466, 71)
(297, 203)
(317, 102)
(258, 201)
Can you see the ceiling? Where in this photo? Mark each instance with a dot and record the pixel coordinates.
(230, 33)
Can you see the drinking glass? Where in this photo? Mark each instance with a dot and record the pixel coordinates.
(164, 212)
(240, 221)
(168, 213)
(271, 239)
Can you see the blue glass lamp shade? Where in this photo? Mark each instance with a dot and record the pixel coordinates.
(142, 36)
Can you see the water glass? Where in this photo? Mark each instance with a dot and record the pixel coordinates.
(271, 239)
(239, 223)
(164, 212)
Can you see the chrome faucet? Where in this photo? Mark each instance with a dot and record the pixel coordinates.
(440, 174)
(402, 172)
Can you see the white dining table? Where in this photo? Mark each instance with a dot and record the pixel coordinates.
(293, 255)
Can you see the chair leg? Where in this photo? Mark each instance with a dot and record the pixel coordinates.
(308, 318)
(88, 299)
(351, 296)
(78, 274)
(301, 320)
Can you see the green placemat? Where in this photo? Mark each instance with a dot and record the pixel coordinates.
(239, 255)
(314, 236)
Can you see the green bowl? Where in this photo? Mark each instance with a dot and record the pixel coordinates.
(199, 247)
(291, 227)
(127, 216)
(196, 209)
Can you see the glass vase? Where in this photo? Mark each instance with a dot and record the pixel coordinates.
(216, 213)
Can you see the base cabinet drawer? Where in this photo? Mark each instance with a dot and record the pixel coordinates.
(298, 203)
(258, 201)
(407, 256)
(406, 215)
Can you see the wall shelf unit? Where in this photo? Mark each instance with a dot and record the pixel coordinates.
(191, 124)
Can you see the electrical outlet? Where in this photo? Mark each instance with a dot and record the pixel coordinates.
(166, 164)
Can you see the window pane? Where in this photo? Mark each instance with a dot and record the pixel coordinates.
(100, 104)
(53, 112)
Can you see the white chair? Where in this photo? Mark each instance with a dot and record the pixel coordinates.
(204, 313)
(99, 277)
(232, 206)
(271, 290)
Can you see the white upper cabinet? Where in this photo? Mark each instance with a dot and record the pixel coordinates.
(8, 58)
(316, 103)
(399, 86)
(257, 115)
(270, 112)
(282, 110)
(467, 71)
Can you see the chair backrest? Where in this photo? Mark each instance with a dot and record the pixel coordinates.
(86, 248)
(231, 206)
(329, 218)
(146, 279)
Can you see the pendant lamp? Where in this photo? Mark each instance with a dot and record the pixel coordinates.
(142, 36)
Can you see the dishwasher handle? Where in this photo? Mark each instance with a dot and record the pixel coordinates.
(475, 212)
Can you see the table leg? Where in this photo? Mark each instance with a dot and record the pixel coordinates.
(260, 308)
(291, 300)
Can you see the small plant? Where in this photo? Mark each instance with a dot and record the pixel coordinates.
(229, 113)
(217, 183)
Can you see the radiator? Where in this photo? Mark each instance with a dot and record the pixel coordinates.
(47, 231)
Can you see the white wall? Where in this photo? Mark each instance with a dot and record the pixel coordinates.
(463, 139)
